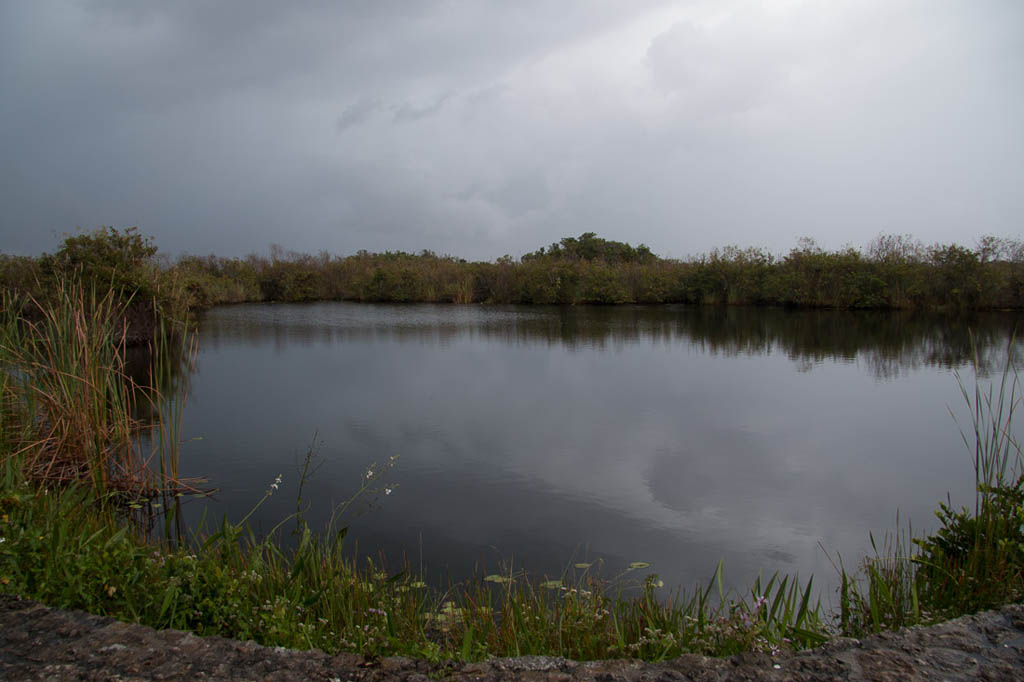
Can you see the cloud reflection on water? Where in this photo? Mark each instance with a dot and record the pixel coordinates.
(672, 435)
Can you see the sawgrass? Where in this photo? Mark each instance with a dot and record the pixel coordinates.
(68, 408)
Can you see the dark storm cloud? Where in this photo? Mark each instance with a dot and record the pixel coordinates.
(490, 127)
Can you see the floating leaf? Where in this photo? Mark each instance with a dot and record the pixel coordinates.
(552, 584)
(449, 613)
(638, 564)
(447, 616)
(583, 565)
(496, 578)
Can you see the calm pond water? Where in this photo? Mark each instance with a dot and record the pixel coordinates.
(542, 436)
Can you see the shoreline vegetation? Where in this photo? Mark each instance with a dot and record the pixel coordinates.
(893, 272)
(89, 487)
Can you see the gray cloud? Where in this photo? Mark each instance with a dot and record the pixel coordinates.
(488, 128)
(357, 113)
(411, 112)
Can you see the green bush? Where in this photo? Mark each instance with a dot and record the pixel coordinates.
(894, 272)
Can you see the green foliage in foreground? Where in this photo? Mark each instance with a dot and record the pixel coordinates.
(68, 549)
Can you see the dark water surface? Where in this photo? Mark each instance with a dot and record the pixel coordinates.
(546, 435)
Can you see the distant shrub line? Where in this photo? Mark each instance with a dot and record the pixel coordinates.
(893, 272)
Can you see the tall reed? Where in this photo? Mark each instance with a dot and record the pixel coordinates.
(975, 560)
(70, 412)
(998, 457)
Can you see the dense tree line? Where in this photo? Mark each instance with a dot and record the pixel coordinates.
(893, 272)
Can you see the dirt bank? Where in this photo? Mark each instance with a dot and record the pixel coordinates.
(40, 643)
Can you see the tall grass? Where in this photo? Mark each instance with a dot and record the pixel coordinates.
(69, 411)
(975, 560)
(883, 594)
(998, 458)
(583, 616)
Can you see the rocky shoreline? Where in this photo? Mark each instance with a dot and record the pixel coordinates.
(41, 643)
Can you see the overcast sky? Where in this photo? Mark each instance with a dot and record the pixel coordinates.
(492, 127)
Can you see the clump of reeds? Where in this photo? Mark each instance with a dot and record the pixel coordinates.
(975, 560)
(69, 411)
(883, 595)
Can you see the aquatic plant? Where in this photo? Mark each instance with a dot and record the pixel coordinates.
(975, 560)
(69, 411)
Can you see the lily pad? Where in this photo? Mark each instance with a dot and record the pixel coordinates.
(552, 584)
(496, 578)
(639, 564)
(583, 565)
(449, 613)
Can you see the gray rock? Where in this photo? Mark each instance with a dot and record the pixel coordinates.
(40, 643)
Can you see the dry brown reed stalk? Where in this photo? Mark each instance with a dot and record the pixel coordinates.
(69, 408)
(464, 290)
